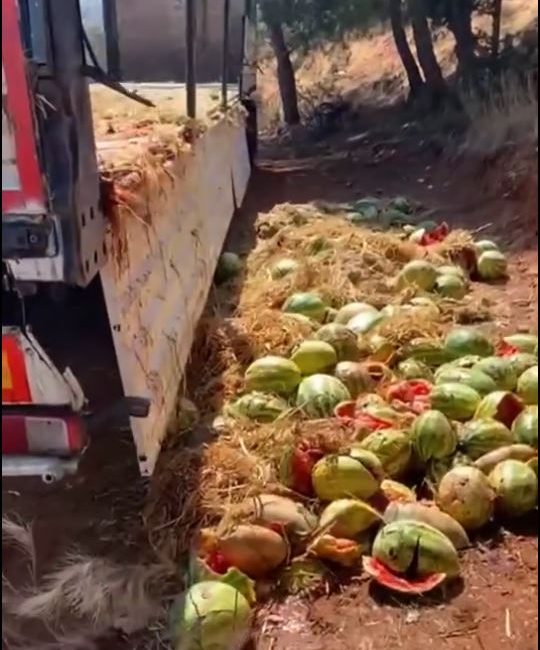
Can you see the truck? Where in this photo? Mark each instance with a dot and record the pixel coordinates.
(63, 226)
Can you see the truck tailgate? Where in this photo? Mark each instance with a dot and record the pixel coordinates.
(160, 270)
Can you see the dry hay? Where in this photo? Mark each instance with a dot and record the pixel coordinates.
(195, 488)
(404, 328)
(342, 263)
(338, 260)
(141, 151)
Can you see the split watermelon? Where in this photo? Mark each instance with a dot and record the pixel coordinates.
(400, 583)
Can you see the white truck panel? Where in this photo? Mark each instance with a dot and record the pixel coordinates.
(157, 292)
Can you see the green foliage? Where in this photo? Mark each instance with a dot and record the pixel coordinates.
(310, 21)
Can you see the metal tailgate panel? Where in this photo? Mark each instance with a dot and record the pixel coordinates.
(157, 292)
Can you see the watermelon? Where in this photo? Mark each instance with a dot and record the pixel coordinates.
(452, 270)
(500, 405)
(402, 204)
(516, 486)
(466, 341)
(364, 322)
(342, 339)
(273, 375)
(211, 614)
(427, 351)
(479, 437)
(307, 304)
(319, 395)
(415, 548)
(284, 267)
(343, 477)
(392, 447)
(399, 583)
(482, 383)
(522, 342)
(489, 462)
(527, 386)
(433, 436)
(428, 513)
(228, 267)
(465, 494)
(260, 407)
(456, 401)
(522, 361)
(492, 265)
(485, 245)
(500, 370)
(412, 369)
(525, 427)
(313, 357)
(355, 377)
(451, 286)
(346, 313)
(419, 274)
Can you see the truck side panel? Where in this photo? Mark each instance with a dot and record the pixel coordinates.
(156, 291)
(22, 187)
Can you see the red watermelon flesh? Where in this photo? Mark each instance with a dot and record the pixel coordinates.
(504, 349)
(438, 235)
(349, 413)
(303, 460)
(413, 395)
(404, 585)
(509, 408)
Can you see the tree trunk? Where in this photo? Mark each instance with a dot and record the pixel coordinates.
(460, 23)
(416, 83)
(496, 35)
(285, 75)
(424, 49)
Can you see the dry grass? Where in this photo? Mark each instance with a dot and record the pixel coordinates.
(206, 486)
(507, 116)
(340, 261)
(114, 111)
(138, 148)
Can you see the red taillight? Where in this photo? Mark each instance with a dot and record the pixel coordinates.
(42, 434)
(15, 387)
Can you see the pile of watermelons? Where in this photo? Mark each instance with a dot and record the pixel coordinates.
(442, 439)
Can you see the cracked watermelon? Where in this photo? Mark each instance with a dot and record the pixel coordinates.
(400, 583)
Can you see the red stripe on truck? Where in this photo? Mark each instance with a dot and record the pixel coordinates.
(30, 196)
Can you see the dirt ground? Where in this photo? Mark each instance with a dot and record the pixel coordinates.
(99, 510)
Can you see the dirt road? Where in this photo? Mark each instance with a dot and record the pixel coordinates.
(100, 509)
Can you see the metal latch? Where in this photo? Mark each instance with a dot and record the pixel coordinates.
(24, 237)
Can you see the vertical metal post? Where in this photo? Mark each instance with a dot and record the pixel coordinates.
(225, 53)
(496, 35)
(112, 40)
(191, 80)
